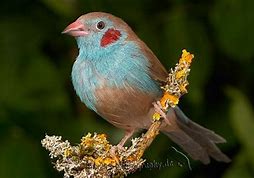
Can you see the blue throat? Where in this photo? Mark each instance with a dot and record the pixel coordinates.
(114, 66)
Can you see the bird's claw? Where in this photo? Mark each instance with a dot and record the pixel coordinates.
(115, 151)
(159, 109)
(116, 148)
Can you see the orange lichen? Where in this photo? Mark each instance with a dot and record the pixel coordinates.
(98, 161)
(186, 57)
(167, 98)
(87, 140)
(102, 137)
(110, 161)
(176, 83)
(107, 161)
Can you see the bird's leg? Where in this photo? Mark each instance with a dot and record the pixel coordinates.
(120, 145)
(159, 109)
(127, 135)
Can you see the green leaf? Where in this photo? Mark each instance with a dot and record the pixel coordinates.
(183, 31)
(20, 156)
(29, 80)
(66, 8)
(242, 120)
(239, 168)
(232, 21)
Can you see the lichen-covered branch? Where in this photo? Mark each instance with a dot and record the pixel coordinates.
(93, 157)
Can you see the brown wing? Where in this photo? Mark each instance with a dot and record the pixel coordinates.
(158, 72)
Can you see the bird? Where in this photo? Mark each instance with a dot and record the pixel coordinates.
(119, 77)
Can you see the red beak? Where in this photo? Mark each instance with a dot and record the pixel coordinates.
(76, 29)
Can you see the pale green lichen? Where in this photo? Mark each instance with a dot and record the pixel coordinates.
(92, 157)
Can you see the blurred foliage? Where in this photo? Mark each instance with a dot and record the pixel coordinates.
(37, 97)
(242, 123)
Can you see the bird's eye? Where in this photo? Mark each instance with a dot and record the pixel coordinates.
(100, 25)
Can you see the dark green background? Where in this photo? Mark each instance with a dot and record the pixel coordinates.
(37, 97)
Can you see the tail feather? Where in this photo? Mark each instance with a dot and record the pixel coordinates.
(194, 126)
(197, 141)
(189, 145)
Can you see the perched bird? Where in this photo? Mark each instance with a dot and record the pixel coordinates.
(119, 77)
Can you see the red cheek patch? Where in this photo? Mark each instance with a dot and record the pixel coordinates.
(110, 36)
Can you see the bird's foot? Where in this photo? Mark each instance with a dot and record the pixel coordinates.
(115, 151)
(159, 109)
(116, 148)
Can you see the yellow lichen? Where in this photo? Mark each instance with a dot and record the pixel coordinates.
(98, 161)
(156, 116)
(67, 152)
(180, 74)
(182, 87)
(102, 137)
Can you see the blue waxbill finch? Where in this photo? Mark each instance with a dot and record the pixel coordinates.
(119, 77)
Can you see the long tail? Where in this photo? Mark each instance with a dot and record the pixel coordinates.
(197, 141)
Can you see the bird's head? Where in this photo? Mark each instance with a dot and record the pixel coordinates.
(98, 30)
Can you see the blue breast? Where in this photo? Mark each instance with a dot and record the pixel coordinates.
(113, 66)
